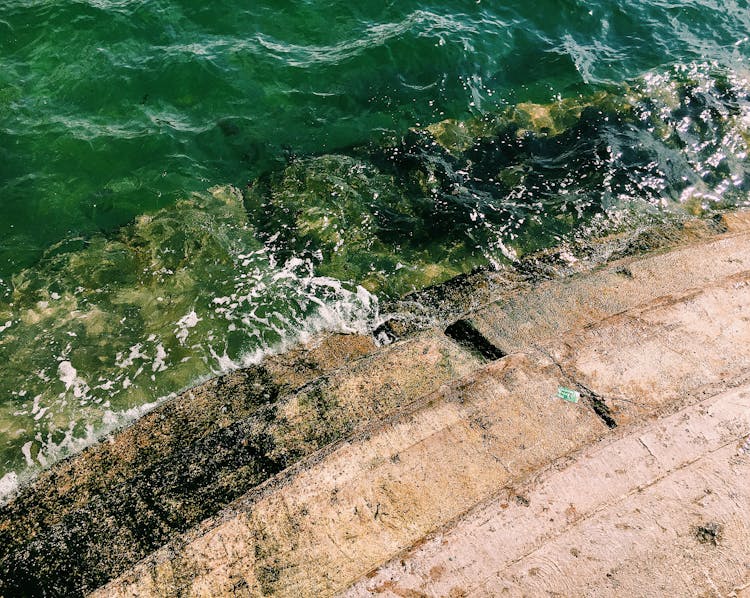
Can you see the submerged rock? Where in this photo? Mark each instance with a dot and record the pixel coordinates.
(178, 295)
(487, 190)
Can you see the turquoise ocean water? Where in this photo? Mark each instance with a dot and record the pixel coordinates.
(185, 186)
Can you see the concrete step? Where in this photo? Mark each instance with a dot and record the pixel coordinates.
(380, 494)
(664, 511)
(297, 476)
(552, 307)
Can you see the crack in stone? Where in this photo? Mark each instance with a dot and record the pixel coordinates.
(593, 399)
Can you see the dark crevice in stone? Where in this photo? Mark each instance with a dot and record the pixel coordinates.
(465, 334)
(601, 409)
(709, 533)
(597, 403)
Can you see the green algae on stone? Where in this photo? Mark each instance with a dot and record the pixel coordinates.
(525, 118)
(360, 222)
(455, 195)
(457, 136)
(98, 333)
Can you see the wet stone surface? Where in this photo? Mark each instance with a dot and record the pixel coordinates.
(89, 519)
(92, 517)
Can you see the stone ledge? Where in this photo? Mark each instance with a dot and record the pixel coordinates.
(171, 478)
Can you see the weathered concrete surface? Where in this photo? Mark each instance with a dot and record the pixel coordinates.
(661, 512)
(344, 515)
(664, 354)
(92, 517)
(652, 433)
(300, 476)
(553, 307)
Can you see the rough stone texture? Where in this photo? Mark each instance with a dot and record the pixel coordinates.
(661, 512)
(303, 363)
(301, 476)
(735, 222)
(552, 307)
(94, 516)
(668, 352)
(380, 491)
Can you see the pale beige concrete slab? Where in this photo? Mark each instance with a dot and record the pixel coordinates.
(650, 546)
(551, 308)
(370, 389)
(735, 222)
(666, 353)
(622, 519)
(378, 494)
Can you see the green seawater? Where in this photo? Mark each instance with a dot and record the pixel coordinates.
(185, 186)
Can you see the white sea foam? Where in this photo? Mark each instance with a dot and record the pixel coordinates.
(159, 364)
(336, 309)
(26, 450)
(135, 353)
(184, 324)
(8, 486)
(69, 377)
(68, 374)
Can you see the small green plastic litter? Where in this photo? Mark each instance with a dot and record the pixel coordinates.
(568, 394)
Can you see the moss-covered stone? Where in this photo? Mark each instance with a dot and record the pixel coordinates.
(98, 331)
(486, 190)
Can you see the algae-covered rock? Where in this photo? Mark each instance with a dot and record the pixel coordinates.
(525, 118)
(361, 223)
(457, 136)
(98, 332)
(489, 189)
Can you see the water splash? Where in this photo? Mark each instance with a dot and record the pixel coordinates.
(104, 329)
